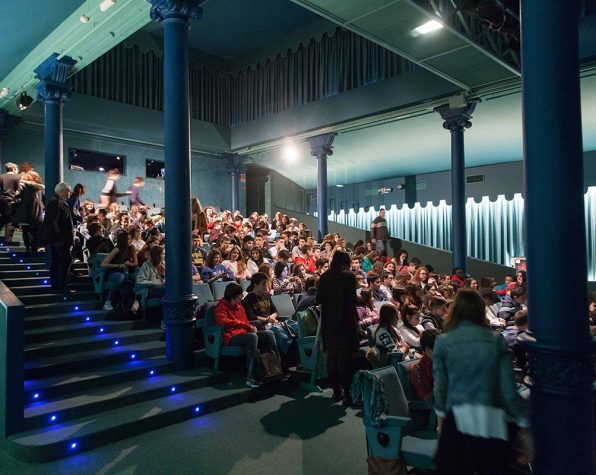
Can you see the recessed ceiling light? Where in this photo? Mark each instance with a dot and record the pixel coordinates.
(427, 27)
(84, 19)
(4, 92)
(106, 5)
(339, 186)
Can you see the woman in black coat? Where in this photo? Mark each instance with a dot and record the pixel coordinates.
(29, 212)
(339, 323)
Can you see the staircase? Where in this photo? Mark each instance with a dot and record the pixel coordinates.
(90, 380)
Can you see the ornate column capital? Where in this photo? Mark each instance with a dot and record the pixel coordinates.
(52, 75)
(7, 121)
(457, 116)
(182, 9)
(234, 163)
(321, 145)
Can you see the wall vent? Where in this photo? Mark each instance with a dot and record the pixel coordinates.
(474, 179)
(420, 185)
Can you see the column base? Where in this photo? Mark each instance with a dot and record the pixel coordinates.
(179, 318)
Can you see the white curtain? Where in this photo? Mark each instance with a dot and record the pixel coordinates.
(495, 229)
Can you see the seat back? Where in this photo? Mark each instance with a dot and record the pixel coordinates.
(203, 293)
(219, 287)
(370, 334)
(245, 284)
(403, 372)
(397, 403)
(284, 305)
(210, 313)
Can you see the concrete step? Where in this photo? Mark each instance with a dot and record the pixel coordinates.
(12, 274)
(81, 328)
(46, 289)
(72, 363)
(82, 296)
(22, 264)
(59, 319)
(67, 384)
(15, 282)
(98, 341)
(93, 401)
(62, 307)
(71, 437)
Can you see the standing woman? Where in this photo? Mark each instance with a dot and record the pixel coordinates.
(475, 393)
(29, 212)
(339, 325)
(74, 204)
(198, 217)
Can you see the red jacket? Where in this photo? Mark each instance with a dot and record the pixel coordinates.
(233, 319)
(309, 263)
(421, 376)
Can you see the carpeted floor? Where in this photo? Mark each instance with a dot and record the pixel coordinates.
(287, 434)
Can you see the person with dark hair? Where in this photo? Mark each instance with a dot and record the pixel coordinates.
(74, 203)
(421, 372)
(9, 185)
(501, 290)
(387, 338)
(58, 233)
(322, 266)
(475, 393)
(592, 313)
(379, 232)
(121, 263)
(490, 299)
(520, 278)
(310, 287)
(134, 191)
(248, 243)
(513, 303)
(97, 243)
(411, 328)
(152, 273)
(280, 284)
(339, 325)
(29, 210)
(213, 267)
(437, 311)
(238, 331)
(283, 257)
(257, 303)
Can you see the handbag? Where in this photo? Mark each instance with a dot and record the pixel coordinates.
(268, 365)
(380, 466)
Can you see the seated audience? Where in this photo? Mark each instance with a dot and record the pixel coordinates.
(387, 338)
(214, 269)
(236, 265)
(310, 287)
(238, 331)
(436, 316)
(367, 312)
(513, 303)
(120, 263)
(411, 329)
(152, 273)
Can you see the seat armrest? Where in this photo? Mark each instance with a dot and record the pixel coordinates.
(397, 421)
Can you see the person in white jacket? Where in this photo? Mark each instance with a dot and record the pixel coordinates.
(152, 273)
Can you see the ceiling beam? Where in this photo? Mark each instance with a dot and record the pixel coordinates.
(84, 42)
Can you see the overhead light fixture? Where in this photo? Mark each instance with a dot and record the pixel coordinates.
(339, 186)
(290, 153)
(106, 5)
(4, 92)
(84, 19)
(24, 101)
(427, 27)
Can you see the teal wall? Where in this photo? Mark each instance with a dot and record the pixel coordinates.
(104, 126)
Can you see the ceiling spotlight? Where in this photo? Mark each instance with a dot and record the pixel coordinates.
(428, 27)
(290, 153)
(84, 19)
(400, 186)
(24, 101)
(106, 5)
(4, 92)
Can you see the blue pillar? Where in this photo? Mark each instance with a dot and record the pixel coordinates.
(234, 167)
(456, 120)
(321, 146)
(560, 345)
(179, 302)
(53, 91)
